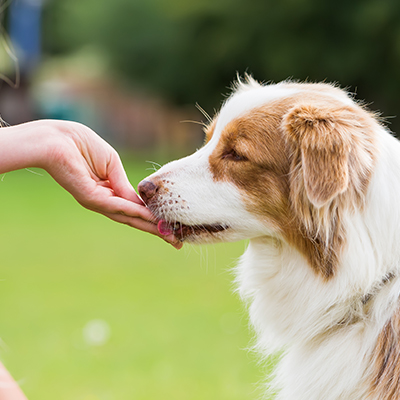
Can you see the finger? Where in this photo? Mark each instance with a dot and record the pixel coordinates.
(119, 181)
(105, 184)
(146, 227)
(102, 200)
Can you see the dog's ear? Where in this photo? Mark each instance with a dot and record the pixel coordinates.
(322, 137)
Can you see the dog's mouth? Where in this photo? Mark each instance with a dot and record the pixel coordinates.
(182, 231)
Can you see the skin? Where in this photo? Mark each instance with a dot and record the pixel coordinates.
(83, 164)
(9, 389)
(88, 168)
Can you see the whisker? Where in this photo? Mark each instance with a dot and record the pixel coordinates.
(151, 169)
(155, 166)
(33, 172)
(204, 112)
(204, 125)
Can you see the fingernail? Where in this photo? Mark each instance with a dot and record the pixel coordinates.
(171, 239)
(178, 245)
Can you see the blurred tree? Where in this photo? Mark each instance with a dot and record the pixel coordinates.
(190, 51)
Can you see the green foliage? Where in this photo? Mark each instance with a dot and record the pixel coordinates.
(190, 51)
(177, 330)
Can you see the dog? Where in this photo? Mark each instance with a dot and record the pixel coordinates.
(312, 179)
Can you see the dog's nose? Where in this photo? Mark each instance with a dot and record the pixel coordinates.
(147, 190)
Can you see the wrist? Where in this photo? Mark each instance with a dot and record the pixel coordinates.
(52, 142)
(24, 146)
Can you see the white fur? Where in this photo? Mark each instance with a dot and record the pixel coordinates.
(290, 307)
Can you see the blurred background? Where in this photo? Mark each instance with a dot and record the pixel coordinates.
(91, 310)
(135, 69)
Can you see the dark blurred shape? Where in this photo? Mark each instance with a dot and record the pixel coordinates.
(16, 105)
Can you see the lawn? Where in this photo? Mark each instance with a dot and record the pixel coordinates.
(94, 310)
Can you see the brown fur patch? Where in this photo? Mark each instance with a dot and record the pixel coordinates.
(386, 359)
(263, 162)
(209, 130)
(300, 161)
(324, 139)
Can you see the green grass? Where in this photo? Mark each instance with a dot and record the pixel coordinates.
(177, 330)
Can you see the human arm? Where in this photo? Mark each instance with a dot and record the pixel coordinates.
(81, 162)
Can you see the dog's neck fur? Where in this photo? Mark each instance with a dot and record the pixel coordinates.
(324, 325)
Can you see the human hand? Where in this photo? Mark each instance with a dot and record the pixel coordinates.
(86, 166)
(91, 170)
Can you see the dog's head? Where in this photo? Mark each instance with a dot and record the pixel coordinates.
(284, 160)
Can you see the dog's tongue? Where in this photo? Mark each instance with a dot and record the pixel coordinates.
(165, 228)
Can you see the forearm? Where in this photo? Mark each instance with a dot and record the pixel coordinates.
(24, 146)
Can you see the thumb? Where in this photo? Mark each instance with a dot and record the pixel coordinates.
(119, 181)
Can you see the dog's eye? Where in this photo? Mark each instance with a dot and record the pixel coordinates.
(233, 156)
